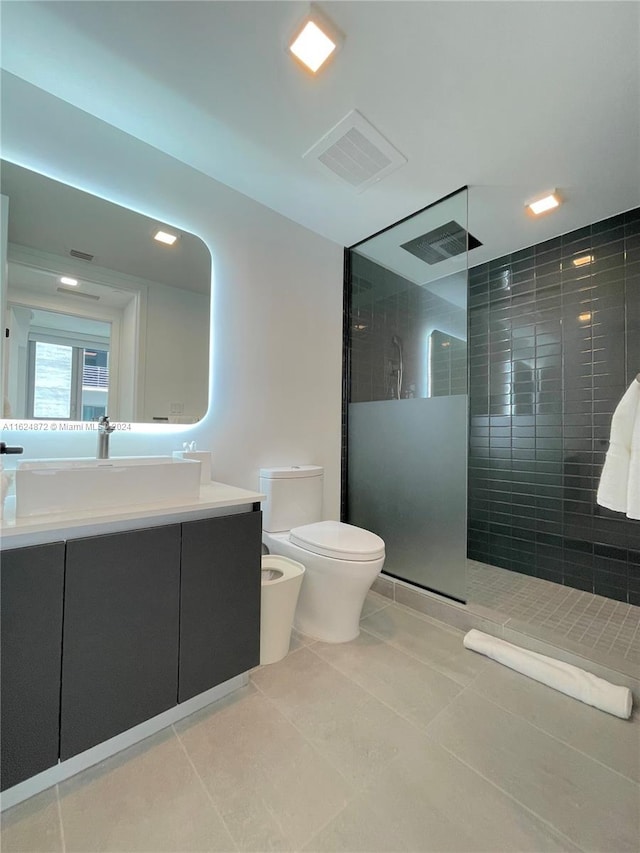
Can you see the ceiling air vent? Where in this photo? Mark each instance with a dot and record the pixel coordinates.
(84, 256)
(442, 243)
(355, 152)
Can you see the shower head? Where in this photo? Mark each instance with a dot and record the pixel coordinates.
(396, 341)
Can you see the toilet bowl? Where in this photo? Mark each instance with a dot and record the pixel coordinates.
(341, 561)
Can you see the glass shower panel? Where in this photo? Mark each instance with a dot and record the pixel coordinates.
(407, 412)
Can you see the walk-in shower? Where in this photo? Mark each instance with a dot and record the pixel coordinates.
(499, 484)
(407, 406)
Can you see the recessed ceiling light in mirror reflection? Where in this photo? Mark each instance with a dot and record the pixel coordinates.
(165, 237)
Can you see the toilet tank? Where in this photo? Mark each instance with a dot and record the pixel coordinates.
(294, 496)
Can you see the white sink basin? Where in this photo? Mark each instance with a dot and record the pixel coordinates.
(45, 486)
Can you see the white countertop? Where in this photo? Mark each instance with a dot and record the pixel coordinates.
(215, 499)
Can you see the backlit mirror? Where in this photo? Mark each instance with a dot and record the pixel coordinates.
(102, 317)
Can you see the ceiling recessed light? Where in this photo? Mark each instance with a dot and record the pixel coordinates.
(315, 40)
(164, 237)
(547, 202)
(70, 282)
(583, 260)
(585, 318)
(312, 46)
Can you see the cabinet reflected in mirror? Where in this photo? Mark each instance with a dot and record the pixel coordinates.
(102, 317)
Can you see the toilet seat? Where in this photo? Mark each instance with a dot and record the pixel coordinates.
(338, 540)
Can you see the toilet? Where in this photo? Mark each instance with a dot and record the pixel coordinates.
(341, 561)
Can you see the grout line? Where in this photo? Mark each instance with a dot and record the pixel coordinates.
(377, 609)
(632, 642)
(425, 617)
(62, 835)
(324, 758)
(207, 792)
(619, 631)
(398, 713)
(493, 701)
(415, 657)
(508, 794)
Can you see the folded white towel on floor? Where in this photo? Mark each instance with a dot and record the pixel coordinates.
(619, 487)
(565, 677)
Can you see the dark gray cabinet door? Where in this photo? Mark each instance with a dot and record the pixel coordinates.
(220, 600)
(32, 581)
(120, 660)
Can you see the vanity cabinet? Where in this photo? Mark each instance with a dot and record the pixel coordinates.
(105, 632)
(220, 600)
(32, 582)
(121, 610)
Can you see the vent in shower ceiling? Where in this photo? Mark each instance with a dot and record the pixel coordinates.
(355, 152)
(442, 243)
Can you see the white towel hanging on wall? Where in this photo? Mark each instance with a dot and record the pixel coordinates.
(619, 487)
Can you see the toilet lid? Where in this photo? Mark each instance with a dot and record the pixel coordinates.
(338, 540)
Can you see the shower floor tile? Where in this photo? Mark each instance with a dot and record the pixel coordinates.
(590, 622)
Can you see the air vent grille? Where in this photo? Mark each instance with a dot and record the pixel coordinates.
(442, 243)
(354, 159)
(83, 256)
(356, 152)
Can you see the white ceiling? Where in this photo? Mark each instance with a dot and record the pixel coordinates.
(510, 98)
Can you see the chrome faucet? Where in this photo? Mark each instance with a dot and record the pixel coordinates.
(105, 428)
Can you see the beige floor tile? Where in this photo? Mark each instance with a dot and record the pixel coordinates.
(407, 685)
(608, 739)
(302, 683)
(147, 798)
(32, 826)
(273, 789)
(593, 806)
(298, 640)
(438, 646)
(431, 802)
(357, 829)
(358, 734)
(372, 603)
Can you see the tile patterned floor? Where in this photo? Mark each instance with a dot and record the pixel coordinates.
(597, 623)
(399, 741)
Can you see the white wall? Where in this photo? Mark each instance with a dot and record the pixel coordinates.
(276, 301)
(4, 344)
